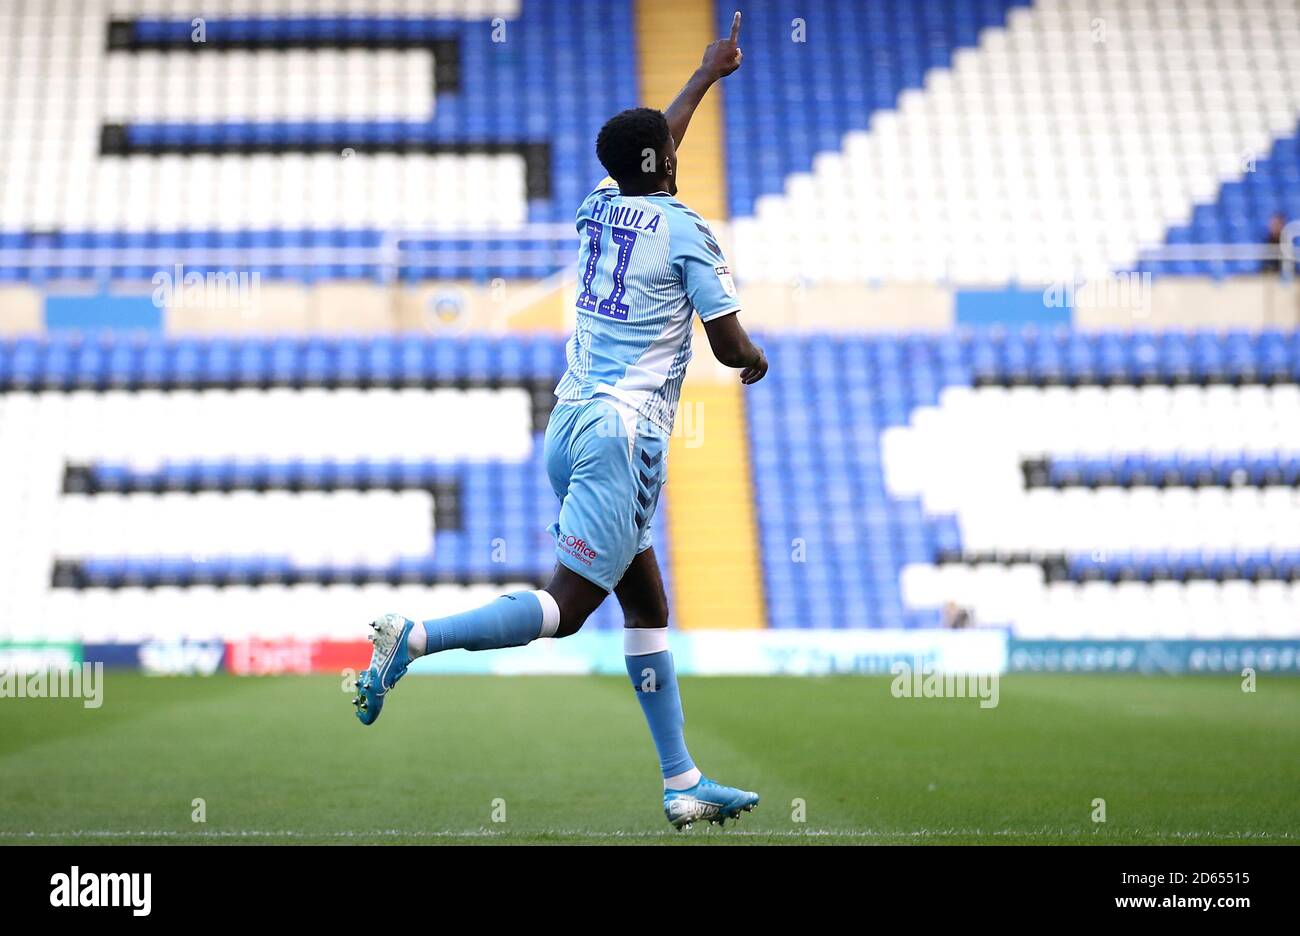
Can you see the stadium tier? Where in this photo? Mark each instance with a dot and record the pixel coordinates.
(1017, 475)
(135, 128)
(987, 142)
(949, 141)
(193, 477)
(1238, 214)
(802, 103)
(1060, 484)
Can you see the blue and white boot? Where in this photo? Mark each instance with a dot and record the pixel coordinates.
(706, 800)
(388, 664)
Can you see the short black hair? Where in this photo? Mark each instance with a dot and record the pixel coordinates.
(622, 142)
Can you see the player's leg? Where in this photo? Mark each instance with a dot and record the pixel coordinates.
(688, 794)
(577, 454)
(650, 665)
(588, 469)
(509, 621)
(513, 620)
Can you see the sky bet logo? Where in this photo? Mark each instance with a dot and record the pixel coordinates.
(102, 890)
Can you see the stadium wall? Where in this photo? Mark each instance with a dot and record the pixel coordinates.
(455, 307)
(766, 653)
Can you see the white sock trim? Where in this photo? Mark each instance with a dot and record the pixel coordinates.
(550, 613)
(417, 642)
(638, 641)
(683, 781)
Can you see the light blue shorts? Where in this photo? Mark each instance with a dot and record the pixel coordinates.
(607, 476)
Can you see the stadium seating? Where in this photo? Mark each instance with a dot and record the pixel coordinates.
(1058, 483)
(1239, 214)
(248, 482)
(949, 141)
(1063, 139)
(1024, 476)
(304, 133)
(808, 95)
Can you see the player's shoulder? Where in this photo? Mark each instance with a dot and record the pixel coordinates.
(690, 232)
(604, 187)
(678, 210)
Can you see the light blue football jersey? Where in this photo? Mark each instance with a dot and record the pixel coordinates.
(644, 263)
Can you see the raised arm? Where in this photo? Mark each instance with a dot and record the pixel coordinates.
(721, 58)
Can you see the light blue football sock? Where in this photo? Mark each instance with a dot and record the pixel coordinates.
(650, 666)
(510, 621)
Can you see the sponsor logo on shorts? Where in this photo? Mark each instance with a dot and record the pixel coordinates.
(577, 547)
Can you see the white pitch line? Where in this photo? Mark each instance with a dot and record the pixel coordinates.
(580, 833)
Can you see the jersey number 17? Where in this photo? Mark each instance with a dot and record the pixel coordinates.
(613, 306)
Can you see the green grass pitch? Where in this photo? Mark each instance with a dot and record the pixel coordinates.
(568, 760)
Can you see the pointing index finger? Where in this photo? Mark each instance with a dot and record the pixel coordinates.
(735, 26)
